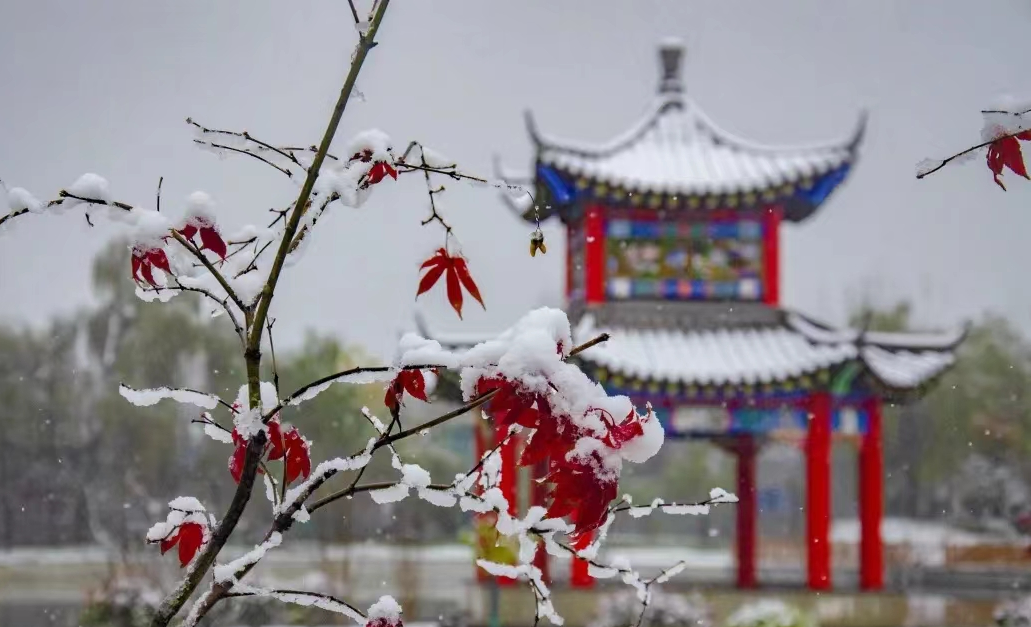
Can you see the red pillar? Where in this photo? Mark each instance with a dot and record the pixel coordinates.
(818, 491)
(771, 218)
(871, 500)
(594, 255)
(746, 512)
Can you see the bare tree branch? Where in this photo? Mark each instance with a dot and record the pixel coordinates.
(365, 43)
(172, 603)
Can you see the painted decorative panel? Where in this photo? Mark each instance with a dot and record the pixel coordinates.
(678, 260)
(845, 420)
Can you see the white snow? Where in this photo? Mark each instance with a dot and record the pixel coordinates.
(356, 378)
(386, 608)
(227, 572)
(200, 209)
(19, 199)
(152, 396)
(217, 434)
(306, 600)
(186, 504)
(91, 186)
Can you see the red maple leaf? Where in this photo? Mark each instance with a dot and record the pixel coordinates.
(578, 490)
(1005, 152)
(411, 381)
(457, 271)
(144, 260)
(210, 238)
(189, 536)
(379, 170)
(296, 456)
(290, 447)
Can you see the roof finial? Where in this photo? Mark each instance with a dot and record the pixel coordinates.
(671, 51)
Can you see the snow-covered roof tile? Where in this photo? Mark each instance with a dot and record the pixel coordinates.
(676, 149)
(721, 356)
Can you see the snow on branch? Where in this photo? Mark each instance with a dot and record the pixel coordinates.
(228, 572)
(152, 396)
(302, 598)
(701, 508)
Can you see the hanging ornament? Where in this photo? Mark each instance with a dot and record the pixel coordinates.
(537, 243)
(537, 237)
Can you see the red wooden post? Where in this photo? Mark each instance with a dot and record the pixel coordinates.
(818, 491)
(771, 218)
(871, 500)
(746, 512)
(594, 255)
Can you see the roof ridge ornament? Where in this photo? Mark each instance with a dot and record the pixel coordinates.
(671, 53)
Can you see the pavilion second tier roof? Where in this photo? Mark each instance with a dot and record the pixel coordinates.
(676, 157)
(755, 347)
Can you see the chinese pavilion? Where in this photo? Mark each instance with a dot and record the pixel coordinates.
(673, 248)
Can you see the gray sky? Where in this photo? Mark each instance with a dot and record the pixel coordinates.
(104, 87)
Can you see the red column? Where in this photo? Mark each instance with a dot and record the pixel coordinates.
(771, 218)
(594, 255)
(746, 512)
(871, 500)
(818, 491)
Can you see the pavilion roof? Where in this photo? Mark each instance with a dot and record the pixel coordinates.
(755, 353)
(676, 156)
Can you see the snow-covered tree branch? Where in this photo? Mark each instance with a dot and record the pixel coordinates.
(527, 379)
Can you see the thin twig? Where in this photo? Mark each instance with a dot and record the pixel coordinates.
(160, 181)
(247, 136)
(12, 215)
(224, 303)
(338, 375)
(196, 252)
(317, 595)
(354, 12)
(288, 173)
(946, 161)
(365, 44)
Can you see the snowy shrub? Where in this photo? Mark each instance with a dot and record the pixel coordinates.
(626, 609)
(1014, 613)
(769, 613)
(526, 379)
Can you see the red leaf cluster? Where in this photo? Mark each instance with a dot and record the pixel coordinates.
(290, 447)
(379, 170)
(578, 489)
(411, 381)
(144, 260)
(210, 239)
(189, 536)
(384, 622)
(457, 275)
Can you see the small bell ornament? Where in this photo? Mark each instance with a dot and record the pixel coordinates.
(537, 243)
